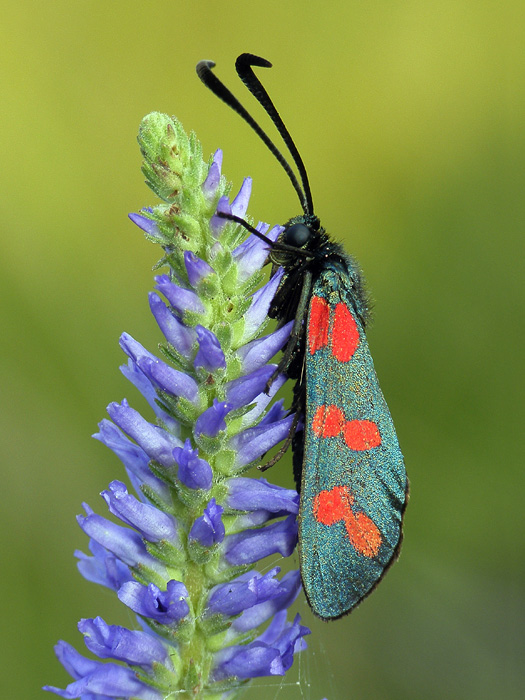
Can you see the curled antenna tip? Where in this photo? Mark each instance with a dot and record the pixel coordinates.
(204, 65)
(252, 60)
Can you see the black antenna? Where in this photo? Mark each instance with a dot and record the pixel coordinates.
(243, 65)
(221, 91)
(275, 246)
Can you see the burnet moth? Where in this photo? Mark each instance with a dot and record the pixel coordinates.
(347, 463)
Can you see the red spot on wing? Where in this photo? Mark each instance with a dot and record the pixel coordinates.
(318, 324)
(361, 434)
(332, 506)
(363, 534)
(345, 334)
(328, 421)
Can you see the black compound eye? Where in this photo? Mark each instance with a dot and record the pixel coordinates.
(297, 235)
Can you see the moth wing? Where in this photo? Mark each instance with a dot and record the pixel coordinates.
(353, 483)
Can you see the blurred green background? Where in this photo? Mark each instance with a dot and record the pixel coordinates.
(410, 117)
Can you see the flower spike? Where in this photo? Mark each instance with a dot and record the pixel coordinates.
(191, 525)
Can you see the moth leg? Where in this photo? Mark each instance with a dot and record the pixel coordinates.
(294, 342)
(298, 407)
(286, 444)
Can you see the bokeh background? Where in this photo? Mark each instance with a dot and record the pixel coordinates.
(410, 117)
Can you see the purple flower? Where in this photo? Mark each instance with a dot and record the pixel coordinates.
(252, 253)
(170, 380)
(257, 353)
(140, 381)
(103, 567)
(210, 355)
(238, 207)
(212, 420)
(134, 459)
(175, 332)
(251, 545)
(181, 299)
(188, 529)
(261, 500)
(271, 654)
(149, 226)
(258, 494)
(252, 443)
(151, 523)
(289, 589)
(125, 544)
(243, 391)
(115, 642)
(195, 473)
(245, 592)
(211, 183)
(208, 529)
(156, 443)
(166, 607)
(196, 268)
(96, 680)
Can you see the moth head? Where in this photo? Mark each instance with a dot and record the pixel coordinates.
(301, 231)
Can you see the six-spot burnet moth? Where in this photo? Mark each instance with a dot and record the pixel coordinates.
(347, 463)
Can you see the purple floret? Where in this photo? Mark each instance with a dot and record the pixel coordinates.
(166, 607)
(208, 529)
(195, 473)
